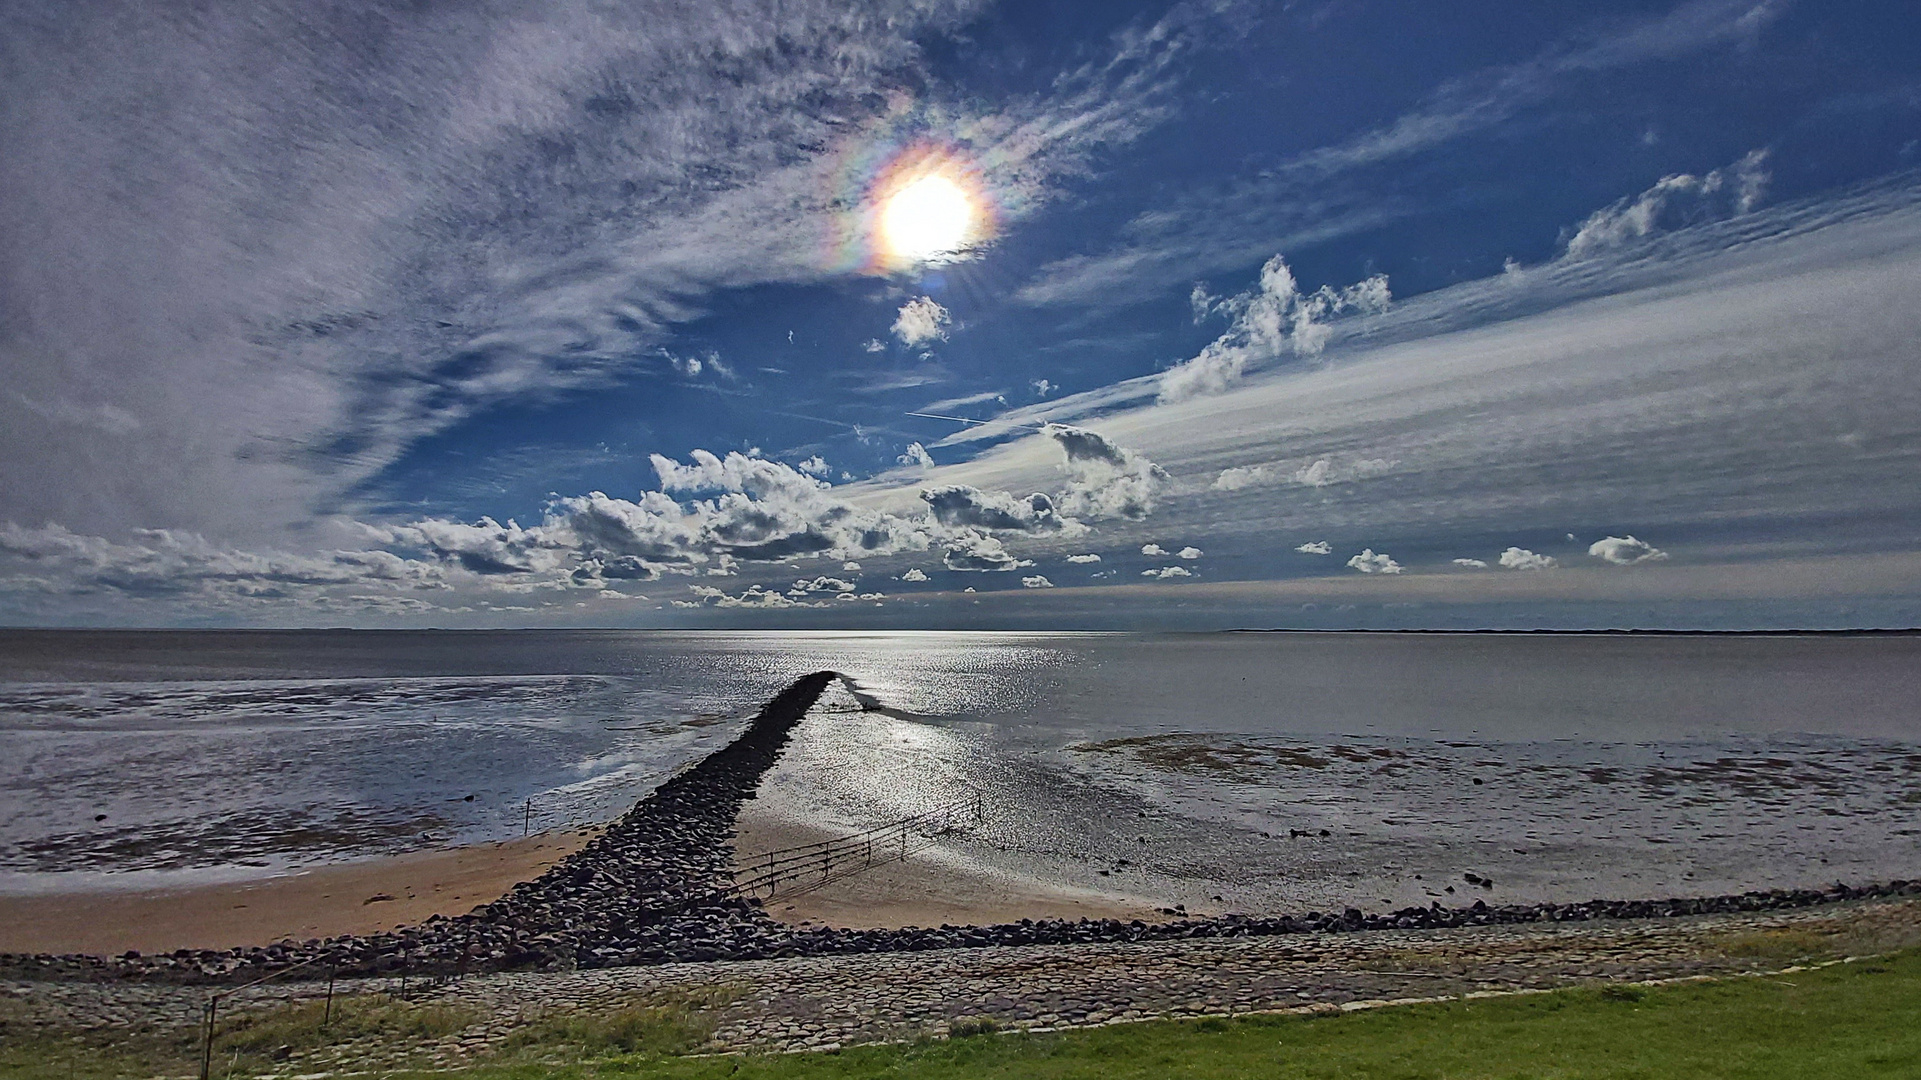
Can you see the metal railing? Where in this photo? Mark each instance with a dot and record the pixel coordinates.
(809, 866)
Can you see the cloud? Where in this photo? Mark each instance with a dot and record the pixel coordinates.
(1236, 477)
(1314, 475)
(1043, 387)
(1675, 200)
(1315, 547)
(914, 574)
(850, 565)
(1104, 480)
(1189, 553)
(1522, 559)
(1273, 317)
(1036, 582)
(162, 563)
(1625, 551)
(759, 511)
(1317, 473)
(979, 551)
(1369, 563)
(815, 466)
(1088, 558)
(1471, 564)
(873, 345)
(1360, 183)
(964, 506)
(754, 596)
(273, 301)
(1166, 572)
(916, 456)
(819, 585)
(1153, 550)
(922, 321)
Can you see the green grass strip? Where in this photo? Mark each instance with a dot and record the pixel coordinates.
(1859, 1020)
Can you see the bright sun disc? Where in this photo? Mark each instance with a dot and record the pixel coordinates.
(926, 219)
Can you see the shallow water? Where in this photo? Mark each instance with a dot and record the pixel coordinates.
(1607, 765)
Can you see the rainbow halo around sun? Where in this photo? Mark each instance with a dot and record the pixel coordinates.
(924, 206)
(928, 219)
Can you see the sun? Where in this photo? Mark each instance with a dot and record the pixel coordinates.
(927, 219)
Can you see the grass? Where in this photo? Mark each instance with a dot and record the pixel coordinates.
(1860, 1020)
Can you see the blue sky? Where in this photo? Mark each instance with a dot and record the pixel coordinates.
(369, 315)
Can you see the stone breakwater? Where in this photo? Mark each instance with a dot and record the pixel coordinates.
(652, 889)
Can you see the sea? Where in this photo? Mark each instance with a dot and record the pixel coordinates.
(1223, 771)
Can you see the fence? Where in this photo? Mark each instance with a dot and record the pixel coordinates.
(809, 866)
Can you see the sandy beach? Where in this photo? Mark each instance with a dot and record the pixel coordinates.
(347, 898)
(925, 889)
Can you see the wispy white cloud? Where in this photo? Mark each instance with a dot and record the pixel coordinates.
(1471, 564)
(1087, 558)
(1036, 581)
(1679, 199)
(1313, 197)
(1315, 547)
(1273, 317)
(1166, 572)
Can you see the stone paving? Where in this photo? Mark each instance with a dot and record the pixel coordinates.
(827, 1002)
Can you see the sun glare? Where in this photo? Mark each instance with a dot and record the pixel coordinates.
(926, 219)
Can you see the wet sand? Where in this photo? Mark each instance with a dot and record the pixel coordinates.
(927, 889)
(347, 898)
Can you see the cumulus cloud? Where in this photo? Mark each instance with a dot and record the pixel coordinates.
(1272, 318)
(1471, 564)
(754, 596)
(964, 506)
(757, 511)
(1677, 200)
(1165, 572)
(873, 345)
(1090, 557)
(1236, 477)
(1317, 473)
(819, 585)
(1315, 547)
(1625, 551)
(1036, 582)
(1043, 387)
(922, 321)
(1190, 552)
(815, 466)
(1367, 562)
(1522, 559)
(1153, 550)
(850, 565)
(916, 456)
(1312, 475)
(1104, 480)
(970, 550)
(914, 574)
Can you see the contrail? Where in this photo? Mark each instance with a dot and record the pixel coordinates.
(965, 420)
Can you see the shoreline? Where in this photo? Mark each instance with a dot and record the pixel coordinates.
(366, 896)
(928, 888)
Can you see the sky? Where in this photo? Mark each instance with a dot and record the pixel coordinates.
(919, 314)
